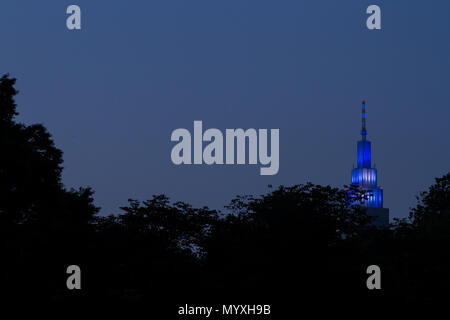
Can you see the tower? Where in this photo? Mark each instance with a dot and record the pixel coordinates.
(365, 177)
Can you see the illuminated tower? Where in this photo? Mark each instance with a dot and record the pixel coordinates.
(365, 177)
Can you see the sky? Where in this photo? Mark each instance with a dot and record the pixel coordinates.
(112, 93)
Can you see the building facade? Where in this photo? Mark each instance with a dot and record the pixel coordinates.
(365, 177)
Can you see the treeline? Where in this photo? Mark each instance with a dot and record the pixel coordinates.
(301, 244)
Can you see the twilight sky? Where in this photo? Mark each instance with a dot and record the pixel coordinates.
(112, 93)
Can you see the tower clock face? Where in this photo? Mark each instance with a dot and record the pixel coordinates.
(196, 156)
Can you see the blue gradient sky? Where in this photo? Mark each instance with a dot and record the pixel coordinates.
(112, 93)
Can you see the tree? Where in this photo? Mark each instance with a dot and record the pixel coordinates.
(30, 172)
(293, 237)
(43, 225)
(432, 213)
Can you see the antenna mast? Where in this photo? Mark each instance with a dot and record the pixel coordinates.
(363, 118)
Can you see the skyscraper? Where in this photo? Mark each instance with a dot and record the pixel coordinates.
(365, 177)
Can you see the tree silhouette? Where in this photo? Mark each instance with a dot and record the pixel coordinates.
(41, 223)
(307, 244)
(433, 208)
(30, 172)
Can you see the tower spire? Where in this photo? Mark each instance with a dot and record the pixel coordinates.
(363, 119)
(364, 176)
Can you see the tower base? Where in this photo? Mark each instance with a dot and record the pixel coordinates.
(380, 217)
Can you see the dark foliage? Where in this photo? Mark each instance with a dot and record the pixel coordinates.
(300, 245)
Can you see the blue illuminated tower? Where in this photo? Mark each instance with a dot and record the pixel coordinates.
(365, 177)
